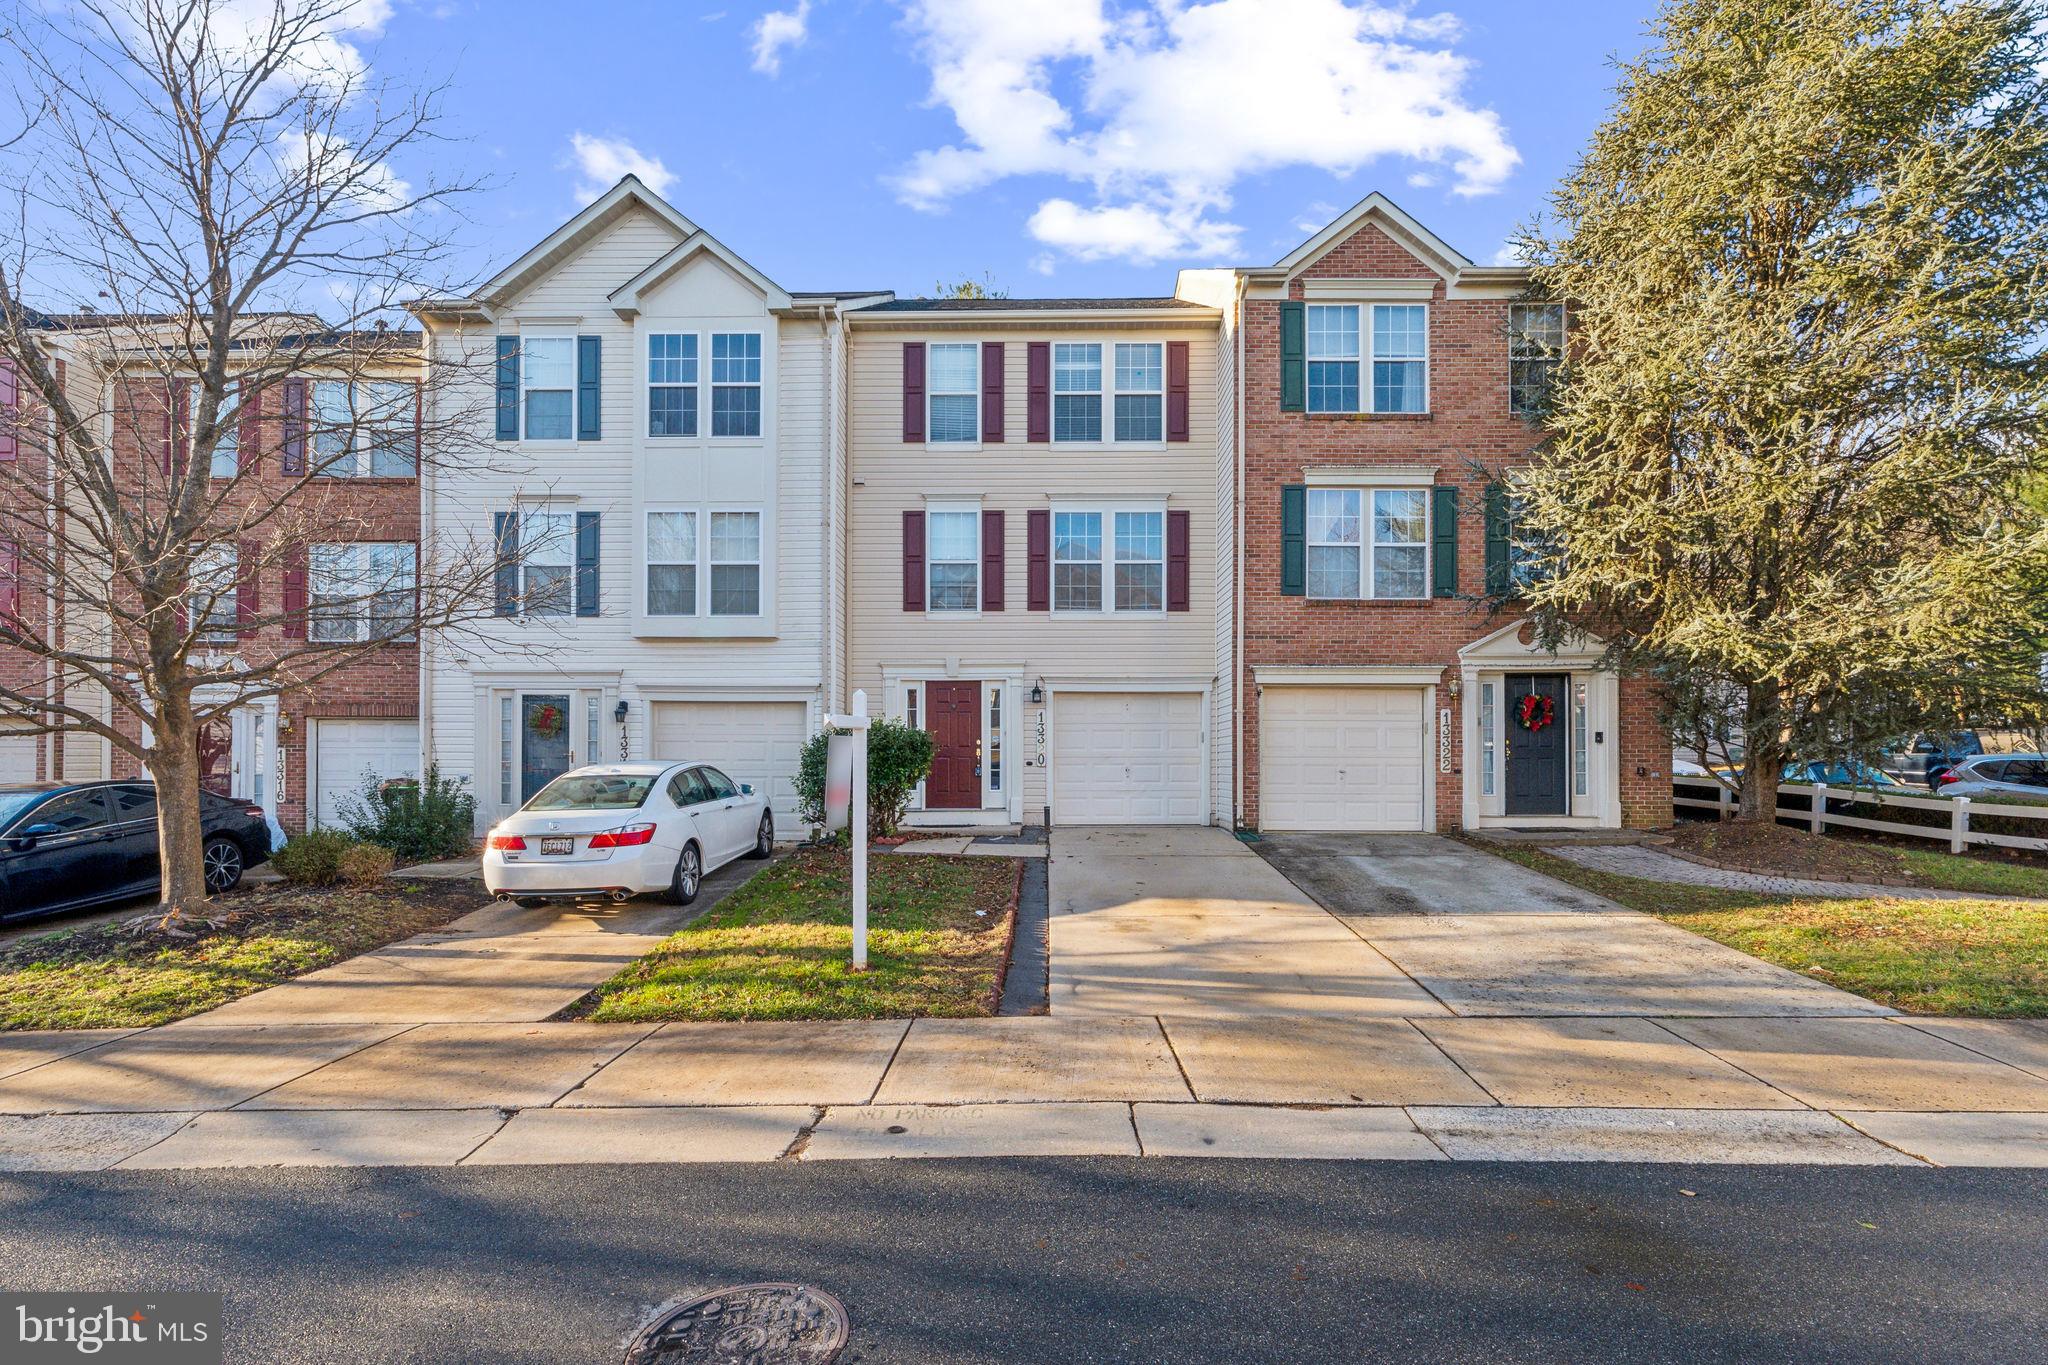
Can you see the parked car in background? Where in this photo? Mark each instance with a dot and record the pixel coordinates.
(67, 846)
(1839, 773)
(1927, 756)
(626, 829)
(2018, 775)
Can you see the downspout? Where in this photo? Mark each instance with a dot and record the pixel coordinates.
(1237, 384)
(427, 643)
(53, 614)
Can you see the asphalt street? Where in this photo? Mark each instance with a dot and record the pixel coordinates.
(1078, 1260)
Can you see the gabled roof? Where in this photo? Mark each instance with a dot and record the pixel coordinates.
(626, 298)
(1440, 255)
(600, 214)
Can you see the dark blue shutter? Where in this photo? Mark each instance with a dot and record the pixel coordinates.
(508, 388)
(586, 563)
(1294, 540)
(1443, 541)
(506, 533)
(1293, 357)
(589, 388)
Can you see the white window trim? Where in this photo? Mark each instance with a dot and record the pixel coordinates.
(932, 391)
(1108, 393)
(707, 415)
(527, 339)
(703, 328)
(1564, 324)
(361, 450)
(1107, 561)
(1366, 357)
(1366, 543)
(972, 509)
(649, 385)
(359, 619)
(699, 526)
(759, 561)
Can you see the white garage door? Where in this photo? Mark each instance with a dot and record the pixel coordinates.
(1127, 758)
(757, 742)
(17, 758)
(1341, 758)
(347, 752)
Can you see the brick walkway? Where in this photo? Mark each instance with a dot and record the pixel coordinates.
(1651, 865)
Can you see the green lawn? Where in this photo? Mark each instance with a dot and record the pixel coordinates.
(99, 977)
(1980, 875)
(1965, 957)
(779, 947)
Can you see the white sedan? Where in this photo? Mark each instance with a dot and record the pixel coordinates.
(623, 829)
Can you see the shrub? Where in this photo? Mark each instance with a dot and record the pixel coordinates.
(313, 858)
(899, 756)
(419, 821)
(366, 864)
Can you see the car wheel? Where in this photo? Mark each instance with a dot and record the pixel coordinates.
(682, 888)
(223, 864)
(764, 837)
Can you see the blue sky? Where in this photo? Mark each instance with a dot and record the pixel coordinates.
(804, 155)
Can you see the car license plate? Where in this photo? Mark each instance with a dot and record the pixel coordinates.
(558, 846)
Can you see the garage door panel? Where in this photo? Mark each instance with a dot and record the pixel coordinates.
(17, 758)
(350, 752)
(758, 742)
(1342, 758)
(1127, 758)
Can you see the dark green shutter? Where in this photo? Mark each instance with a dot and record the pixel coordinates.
(589, 388)
(1294, 540)
(507, 536)
(586, 563)
(508, 388)
(1443, 541)
(1293, 357)
(1497, 563)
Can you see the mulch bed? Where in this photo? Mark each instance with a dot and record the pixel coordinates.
(1778, 850)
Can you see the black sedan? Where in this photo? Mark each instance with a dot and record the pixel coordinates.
(67, 846)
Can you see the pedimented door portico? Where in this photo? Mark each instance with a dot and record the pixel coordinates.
(1567, 773)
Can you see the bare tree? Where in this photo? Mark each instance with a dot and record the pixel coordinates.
(233, 203)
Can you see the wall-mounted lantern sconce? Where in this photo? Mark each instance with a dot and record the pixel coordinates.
(619, 711)
(1038, 693)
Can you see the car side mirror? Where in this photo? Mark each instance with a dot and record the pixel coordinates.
(25, 838)
(746, 789)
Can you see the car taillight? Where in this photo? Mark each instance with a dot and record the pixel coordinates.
(625, 836)
(256, 811)
(1949, 776)
(507, 841)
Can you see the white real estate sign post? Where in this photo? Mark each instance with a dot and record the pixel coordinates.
(852, 770)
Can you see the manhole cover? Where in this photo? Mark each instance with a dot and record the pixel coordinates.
(748, 1324)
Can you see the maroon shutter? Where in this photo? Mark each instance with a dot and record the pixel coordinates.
(292, 429)
(913, 561)
(992, 392)
(991, 561)
(292, 603)
(10, 410)
(248, 595)
(1176, 391)
(249, 430)
(913, 392)
(1176, 561)
(1038, 392)
(10, 578)
(1038, 559)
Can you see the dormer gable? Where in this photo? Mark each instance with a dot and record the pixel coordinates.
(700, 248)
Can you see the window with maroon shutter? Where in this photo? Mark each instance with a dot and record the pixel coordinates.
(991, 561)
(1038, 392)
(292, 601)
(10, 411)
(913, 394)
(248, 594)
(1176, 561)
(1176, 391)
(1038, 559)
(913, 561)
(991, 392)
(291, 436)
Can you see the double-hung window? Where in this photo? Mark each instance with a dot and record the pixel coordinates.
(953, 560)
(213, 585)
(954, 393)
(1125, 550)
(547, 382)
(1140, 391)
(1076, 391)
(362, 429)
(672, 384)
(227, 434)
(671, 563)
(547, 563)
(735, 383)
(1368, 357)
(735, 563)
(361, 591)
(1134, 394)
(1368, 543)
(1535, 349)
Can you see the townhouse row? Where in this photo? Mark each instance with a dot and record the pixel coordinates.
(1236, 556)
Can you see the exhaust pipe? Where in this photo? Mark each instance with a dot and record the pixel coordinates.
(620, 896)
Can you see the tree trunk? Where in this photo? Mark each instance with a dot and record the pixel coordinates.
(174, 763)
(1763, 757)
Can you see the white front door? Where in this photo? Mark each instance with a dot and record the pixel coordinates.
(1127, 758)
(1342, 758)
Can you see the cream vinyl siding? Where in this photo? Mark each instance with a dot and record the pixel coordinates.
(619, 477)
(1168, 650)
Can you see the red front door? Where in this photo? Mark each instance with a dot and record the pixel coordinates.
(954, 718)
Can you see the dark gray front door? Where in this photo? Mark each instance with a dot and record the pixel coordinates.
(1537, 765)
(543, 742)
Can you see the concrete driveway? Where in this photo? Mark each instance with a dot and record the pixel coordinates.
(1417, 874)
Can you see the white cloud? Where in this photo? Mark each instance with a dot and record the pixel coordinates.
(601, 161)
(330, 161)
(777, 30)
(1509, 254)
(1160, 109)
(324, 55)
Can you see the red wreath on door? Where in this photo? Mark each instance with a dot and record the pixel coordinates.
(1535, 712)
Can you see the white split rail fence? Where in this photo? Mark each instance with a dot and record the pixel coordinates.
(1819, 819)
